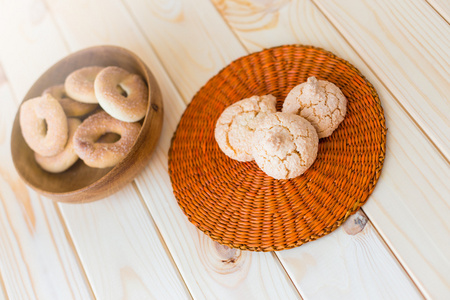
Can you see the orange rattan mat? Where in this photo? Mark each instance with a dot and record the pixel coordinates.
(235, 203)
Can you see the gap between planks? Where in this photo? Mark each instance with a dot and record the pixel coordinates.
(393, 255)
(161, 238)
(74, 249)
(230, 28)
(434, 6)
(447, 160)
(275, 255)
(142, 33)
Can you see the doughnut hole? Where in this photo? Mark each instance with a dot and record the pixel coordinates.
(122, 91)
(109, 137)
(106, 152)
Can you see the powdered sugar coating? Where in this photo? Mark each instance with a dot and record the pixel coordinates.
(44, 125)
(66, 158)
(284, 145)
(103, 155)
(320, 102)
(79, 84)
(121, 94)
(235, 126)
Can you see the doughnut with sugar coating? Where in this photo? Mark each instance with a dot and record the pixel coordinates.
(121, 94)
(71, 107)
(103, 155)
(79, 84)
(65, 159)
(44, 125)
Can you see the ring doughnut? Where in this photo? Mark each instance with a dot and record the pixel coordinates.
(102, 155)
(44, 125)
(80, 84)
(65, 159)
(71, 107)
(121, 94)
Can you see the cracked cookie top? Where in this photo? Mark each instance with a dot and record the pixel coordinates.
(320, 102)
(235, 126)
(284, 145)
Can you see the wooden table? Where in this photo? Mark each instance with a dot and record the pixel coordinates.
(137, 244)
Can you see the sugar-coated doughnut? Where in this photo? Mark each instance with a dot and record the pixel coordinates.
(65, 159)
(320, 102)
(284, 145)
(44, 125)
(235, 126)
(79, 84)
(71, 107)
(103, 155)
(121, 94)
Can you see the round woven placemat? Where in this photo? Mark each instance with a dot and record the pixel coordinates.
(237, 204)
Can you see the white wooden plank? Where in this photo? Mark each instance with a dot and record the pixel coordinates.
(125, 255)
(27, 43)
(406, 44)
(442, 7)
(203, 267)
(355, 262)
(410, 202)
(190, 33)
(36, 260)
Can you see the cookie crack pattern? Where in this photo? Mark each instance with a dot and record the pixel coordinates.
(236, 124)
(320, 102)
(293, 152)
(227, 132)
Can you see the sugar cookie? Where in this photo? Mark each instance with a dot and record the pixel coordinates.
(65, 159)
(121, 94)
(104, 154)
(44, 125)
(235, 126)
(284, 145)
(79, 84)
(320, 102)
(71, 107)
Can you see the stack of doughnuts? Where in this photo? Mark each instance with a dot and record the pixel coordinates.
(66, 122)
(283, 144)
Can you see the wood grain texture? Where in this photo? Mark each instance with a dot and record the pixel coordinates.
(198, 263)
(127, 258)
(192, 39)
(27, 44)
(406, 44)
(36, 259)
(442, 7)
(403, 205)
(3, 294)
(355, 262)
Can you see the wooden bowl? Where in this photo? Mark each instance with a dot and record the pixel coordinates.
(81, 183)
